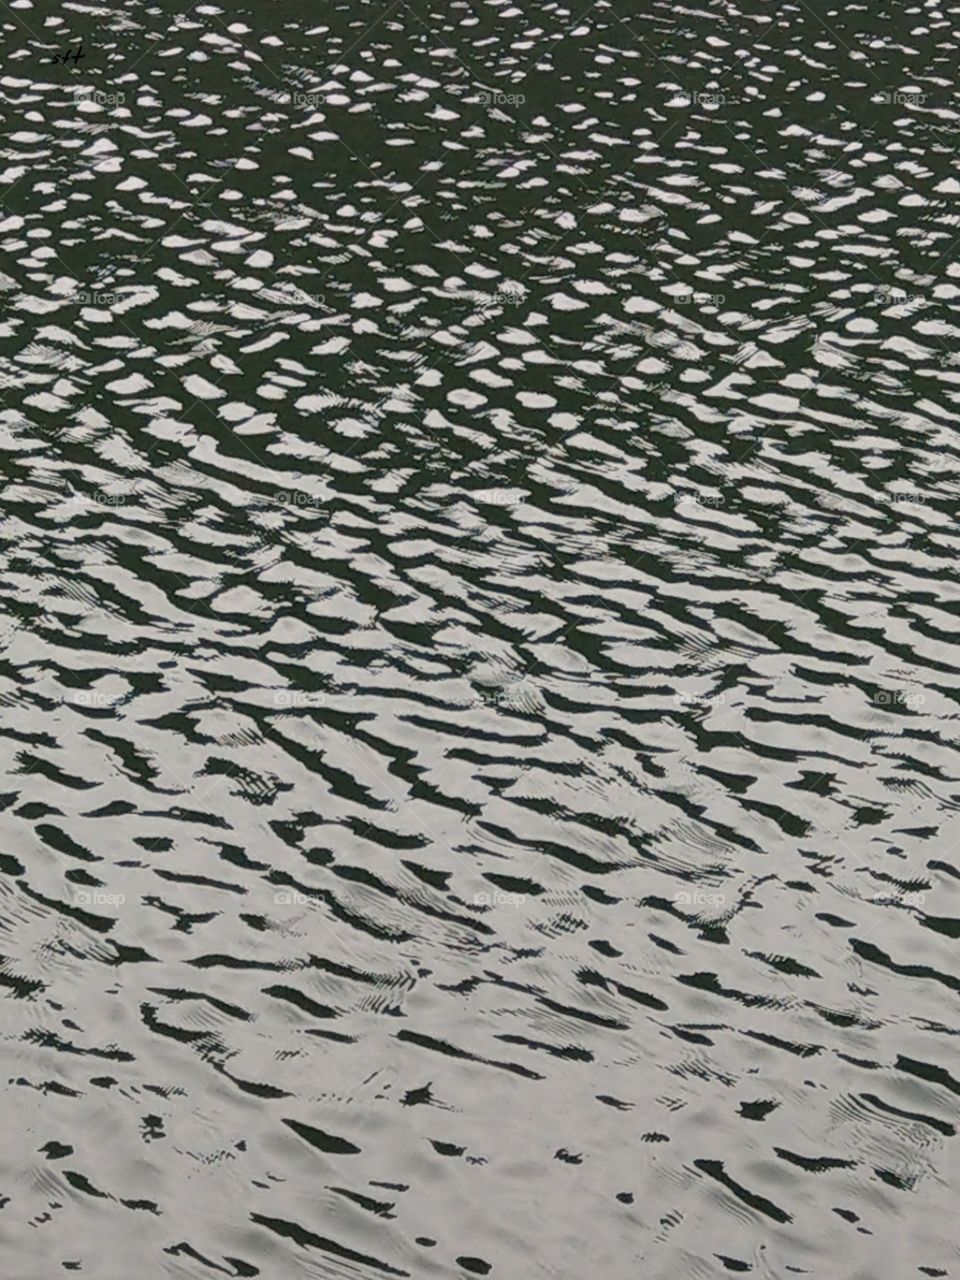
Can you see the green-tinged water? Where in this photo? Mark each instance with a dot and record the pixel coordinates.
(478, 670)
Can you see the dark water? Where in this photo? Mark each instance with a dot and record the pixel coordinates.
(478, 672)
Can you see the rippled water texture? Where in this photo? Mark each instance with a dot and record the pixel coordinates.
(478, 677)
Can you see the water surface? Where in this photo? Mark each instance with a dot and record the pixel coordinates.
(478, 681)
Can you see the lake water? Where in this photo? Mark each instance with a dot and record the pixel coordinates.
(478, 669)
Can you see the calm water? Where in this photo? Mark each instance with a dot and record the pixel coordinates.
(478, 669)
